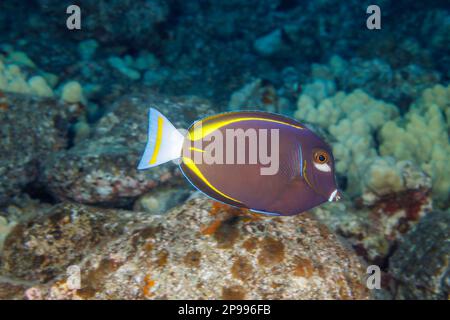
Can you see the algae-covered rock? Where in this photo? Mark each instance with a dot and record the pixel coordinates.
(139, 20)
(200, 250)
(376, 222)
(10, 290)
(31, 129)
(103, 169)
(43, 247)
(160, 200)
(421, 263)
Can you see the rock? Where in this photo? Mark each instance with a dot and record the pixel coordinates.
(200, 250)
(31, 129)
(421, 263)
(5, 228)
(271, 44)
(21, 208)
(11, 290)
(87, 49)
(160, 200)
(258, 95)
(103, 169)
(376, 222)
(138, 27)
(378, 78)
(43, 247)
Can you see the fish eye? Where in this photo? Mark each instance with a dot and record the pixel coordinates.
(321, 157)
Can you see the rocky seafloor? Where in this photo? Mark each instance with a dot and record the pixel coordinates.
(73, 125)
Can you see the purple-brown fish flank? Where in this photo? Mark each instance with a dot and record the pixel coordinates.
(243, 182)
(291, 171)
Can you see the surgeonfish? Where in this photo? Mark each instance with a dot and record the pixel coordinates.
(261, 161)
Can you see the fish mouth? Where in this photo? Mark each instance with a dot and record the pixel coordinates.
(335, 196)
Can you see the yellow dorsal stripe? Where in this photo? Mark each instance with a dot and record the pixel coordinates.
(196, 149)
(158, 139)
(202, 131)
(191, 165)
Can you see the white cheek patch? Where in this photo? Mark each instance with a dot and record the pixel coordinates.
(324, 167)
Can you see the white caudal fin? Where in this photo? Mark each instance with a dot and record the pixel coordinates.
(164, 141)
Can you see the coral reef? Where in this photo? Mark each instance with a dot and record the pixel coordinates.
(73, 124)
(196, 251)
(422, 135)
(130, 67)
(44, 246)
(421, 263)
(25, 147)
(19, 74)
(139, 20)
(258, 95)
(14, 79)
(352, 120)
(5, 228)
(160, 200)
(378, 221)
(377, 77)
(394, 167)
(103, 169)
(369, 137)
(72, 92)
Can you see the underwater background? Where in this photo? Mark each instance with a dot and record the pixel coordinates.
(79, 221)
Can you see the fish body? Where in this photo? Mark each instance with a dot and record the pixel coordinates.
(262, 161)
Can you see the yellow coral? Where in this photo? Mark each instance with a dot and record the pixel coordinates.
(72, 92)
(423, 136)
(39, 87)
(384, 177)
(352, 119)
(12, 78)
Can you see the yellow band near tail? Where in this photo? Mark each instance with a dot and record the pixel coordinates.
(191, 165)
(158, 140)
